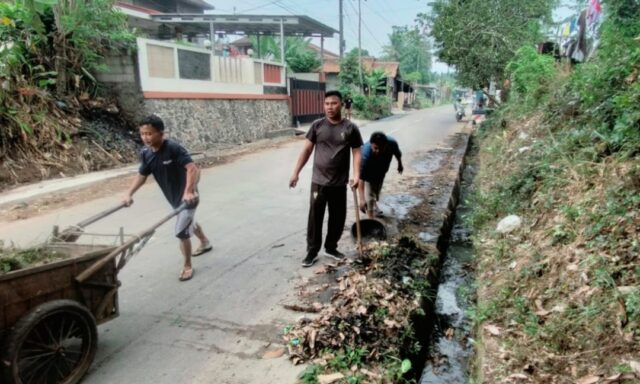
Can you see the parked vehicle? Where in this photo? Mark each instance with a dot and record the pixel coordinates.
(460, 110)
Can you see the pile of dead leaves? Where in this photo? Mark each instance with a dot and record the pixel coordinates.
(368, 320)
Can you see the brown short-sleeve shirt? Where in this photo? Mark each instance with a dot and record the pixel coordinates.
(333, 144)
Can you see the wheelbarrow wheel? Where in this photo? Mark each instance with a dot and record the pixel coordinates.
(54, 344)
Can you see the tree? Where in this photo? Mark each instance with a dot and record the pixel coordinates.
(49, 45)
(376, 81)
(79, 31)
(349, 76)
(479, 37)
(411, 49)
(298, 55)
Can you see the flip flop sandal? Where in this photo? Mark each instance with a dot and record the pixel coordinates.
(188, 277)
(200, 250)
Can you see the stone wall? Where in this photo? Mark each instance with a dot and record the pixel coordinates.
(199, 124)
(196, 123)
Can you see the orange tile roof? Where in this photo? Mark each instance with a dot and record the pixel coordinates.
(390, 68)
(328, 55)
(331, 66)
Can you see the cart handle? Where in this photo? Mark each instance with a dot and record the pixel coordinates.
(72, 233)
(100, 215)
(87, 273)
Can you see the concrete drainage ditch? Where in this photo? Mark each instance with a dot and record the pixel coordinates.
(444, 330)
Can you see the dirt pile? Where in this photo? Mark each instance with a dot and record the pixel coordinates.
(92, 135)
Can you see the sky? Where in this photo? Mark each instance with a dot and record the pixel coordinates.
(378, 17)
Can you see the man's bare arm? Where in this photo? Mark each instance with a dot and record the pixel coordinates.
(302, 160)
(136, 183)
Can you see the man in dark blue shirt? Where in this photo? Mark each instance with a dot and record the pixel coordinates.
(177, 176)
(376, 159)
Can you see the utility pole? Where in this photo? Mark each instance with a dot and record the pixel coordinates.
(360, 41)
(341, 30)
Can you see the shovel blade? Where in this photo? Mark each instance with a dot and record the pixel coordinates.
(370, 229)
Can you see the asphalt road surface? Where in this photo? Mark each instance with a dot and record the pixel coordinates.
(216, 327)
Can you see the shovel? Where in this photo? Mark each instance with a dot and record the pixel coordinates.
(357, 224)
(366, 228)
(71, 234)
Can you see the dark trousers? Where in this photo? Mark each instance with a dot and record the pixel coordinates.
(336, 199)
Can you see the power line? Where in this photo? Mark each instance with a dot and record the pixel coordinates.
(306, 11)
(260, 6)
(350, 24)
(277, 4)
(366, 26)
(378, 14)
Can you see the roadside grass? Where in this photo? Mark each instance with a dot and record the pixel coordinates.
(562, 291)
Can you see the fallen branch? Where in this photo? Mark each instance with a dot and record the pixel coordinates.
(299, 308)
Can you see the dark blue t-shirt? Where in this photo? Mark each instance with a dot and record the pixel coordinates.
(168, 168)
(373, 168)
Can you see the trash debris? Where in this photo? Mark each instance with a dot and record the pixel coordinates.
(274, 354)
(328, 379)
(299, 308)
(509, 224)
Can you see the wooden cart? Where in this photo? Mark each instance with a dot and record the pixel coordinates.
(49, 314)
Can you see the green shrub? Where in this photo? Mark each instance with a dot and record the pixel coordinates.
(372, 107)
(531, 74)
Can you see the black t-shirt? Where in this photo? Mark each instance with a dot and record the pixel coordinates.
(333, 144)
(347, 102)
(168, 168)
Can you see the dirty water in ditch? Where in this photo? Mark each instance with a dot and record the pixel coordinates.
(451, 350)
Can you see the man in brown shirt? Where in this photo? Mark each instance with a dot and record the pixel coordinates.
(334, 140)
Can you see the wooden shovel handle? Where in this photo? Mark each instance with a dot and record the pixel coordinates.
(358, 233)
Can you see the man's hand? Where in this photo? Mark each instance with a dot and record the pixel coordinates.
(400, 169)
(190, 197)
(293, 181)
(127, 200)
(355, 182)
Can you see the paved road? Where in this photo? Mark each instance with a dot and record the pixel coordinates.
(216, 327)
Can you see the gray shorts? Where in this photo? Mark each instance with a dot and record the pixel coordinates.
(372, 193)
(185, 223)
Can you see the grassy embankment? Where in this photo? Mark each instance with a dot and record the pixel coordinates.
(559, 298)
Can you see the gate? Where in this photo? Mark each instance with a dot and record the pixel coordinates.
(307, 100)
